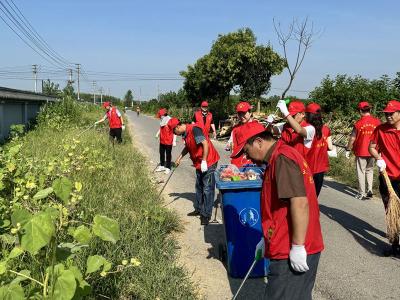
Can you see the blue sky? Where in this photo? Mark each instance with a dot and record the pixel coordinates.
(163, 37)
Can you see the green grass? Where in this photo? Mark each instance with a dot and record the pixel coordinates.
(120, 189)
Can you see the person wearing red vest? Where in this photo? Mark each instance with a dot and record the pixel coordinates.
(317, 157)
(115, 121)
(167, 140)
(205, 159)
(296, 132)
(385, 148)
(292, 237)
(243, 110)
(205, 119)
(359, 143)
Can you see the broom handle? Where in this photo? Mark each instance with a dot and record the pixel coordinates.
(388, 183)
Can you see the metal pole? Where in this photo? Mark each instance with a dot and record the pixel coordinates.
(78, 67)
(94, 92)
(35, 76)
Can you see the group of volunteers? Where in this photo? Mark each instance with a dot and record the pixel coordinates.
(295, 165)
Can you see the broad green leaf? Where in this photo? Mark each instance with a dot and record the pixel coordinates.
(12, 292)
(78, 186)
(82, 234)
(65, 286)
(43, 193)
(37, 232)
(21, 216)
(3, 267)
(53, 212)
(94, 263)
(19, 279)
(5, 223)
(62, 188)
(17, 251)
(105, 228)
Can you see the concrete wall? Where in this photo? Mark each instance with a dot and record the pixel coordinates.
(16, 112)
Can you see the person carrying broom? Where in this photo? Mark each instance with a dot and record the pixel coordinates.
(385, 148)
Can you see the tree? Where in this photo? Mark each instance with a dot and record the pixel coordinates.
(50, 88)
(128, 98)
(68, 91)
(342, 94)
(234, 62)
(303, 35)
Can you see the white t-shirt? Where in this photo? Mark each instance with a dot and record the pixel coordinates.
(310, 136)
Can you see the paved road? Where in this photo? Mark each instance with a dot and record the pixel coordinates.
(351, 267)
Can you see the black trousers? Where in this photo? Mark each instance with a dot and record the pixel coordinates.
(383, 190)
(318, 181)
(286, 284)
(116, 133)
(165, 155)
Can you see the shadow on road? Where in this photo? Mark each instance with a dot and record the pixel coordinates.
(340, 187)
(360, 229)
(182, 196)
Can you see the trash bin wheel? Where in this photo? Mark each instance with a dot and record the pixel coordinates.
(222, 252)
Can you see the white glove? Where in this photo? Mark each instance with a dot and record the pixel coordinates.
(271, 118)
(203, 166)
(347, 154)
(123, 127)
(283, 108)
(298, 258)
(332, 153)
(95, 123)
(381, 165)
(260, 250)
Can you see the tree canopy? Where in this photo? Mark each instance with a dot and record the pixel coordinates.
(235, 62)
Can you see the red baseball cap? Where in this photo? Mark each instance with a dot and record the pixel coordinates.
(105, 104)
(161, 112)
(392, 106)
(313, 108)
(245, 132)
(296, 107)
(172, 123)
(243, 107)
(204, 104)
(363, 105)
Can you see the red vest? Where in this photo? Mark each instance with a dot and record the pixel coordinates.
(166, 135)
(200, 121)
(242, 159)
(290, 137)
(317, 157)
(364, 127)
(196, 151)
(113, 120)
(275, 213)
(387, 140)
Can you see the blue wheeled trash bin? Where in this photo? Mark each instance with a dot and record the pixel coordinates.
(241, 215)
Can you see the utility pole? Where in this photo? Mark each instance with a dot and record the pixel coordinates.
(70, 76)
(101, 95)
(78, 69)
(94, 92)
(158, 93)
(35, 76)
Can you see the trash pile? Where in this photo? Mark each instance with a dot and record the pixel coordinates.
(232, 173)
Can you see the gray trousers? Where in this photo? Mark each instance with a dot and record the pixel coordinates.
(365, 172)
(286, 284)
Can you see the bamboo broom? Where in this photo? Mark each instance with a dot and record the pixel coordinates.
(392, 212)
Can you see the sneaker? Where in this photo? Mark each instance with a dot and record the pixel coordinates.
(360, 197)
(193, 213)
(159, 169)
(369, 194)
(167, 171)
(204, 220)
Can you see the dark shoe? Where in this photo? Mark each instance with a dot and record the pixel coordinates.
(204, 220)
(369, 195)
(193, 213)
(393, 251)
